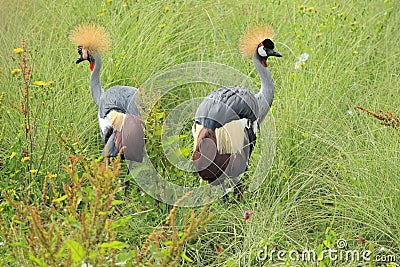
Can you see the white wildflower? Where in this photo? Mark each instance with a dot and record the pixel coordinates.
(301, 60)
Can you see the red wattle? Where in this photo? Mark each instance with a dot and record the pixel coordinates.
(264, 62)
(91, 66)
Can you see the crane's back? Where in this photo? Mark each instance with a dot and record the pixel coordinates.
(121, 99)
(225, 105)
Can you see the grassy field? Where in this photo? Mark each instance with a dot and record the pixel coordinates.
(334, 177)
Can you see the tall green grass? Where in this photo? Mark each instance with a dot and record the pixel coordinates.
(334, 168)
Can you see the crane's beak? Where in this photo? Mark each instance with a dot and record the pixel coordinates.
(273, 53)
(83, 54)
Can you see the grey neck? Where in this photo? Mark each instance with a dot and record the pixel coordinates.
(266, 94)
(95, 83)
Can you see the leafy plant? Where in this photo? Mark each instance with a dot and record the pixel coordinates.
(166, 247)
(80, 225)
(70, 228)
(34, 112)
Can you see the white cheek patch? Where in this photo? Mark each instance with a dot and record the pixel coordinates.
(262, 52)
(84, 53)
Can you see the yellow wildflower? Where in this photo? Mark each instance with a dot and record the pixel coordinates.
(15, 71)
(50, 175)
(318, 35)
(162, 25)
(301, 7)
(40, 83)
(355, 52)
(166, 8)
(33, 171)
(13, 154)
(340, 14)
(310, 8)
(109, 1)
(12, 192)
(305, 135)
(18, 50)
(24, 159)
(49, 83)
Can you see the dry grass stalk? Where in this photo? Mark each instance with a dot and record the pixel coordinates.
(387, 118)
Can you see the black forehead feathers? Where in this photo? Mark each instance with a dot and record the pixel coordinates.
(268, 44)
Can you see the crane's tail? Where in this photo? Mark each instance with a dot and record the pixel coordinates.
(210, 163)
(128, 135)
(133, 138)
(229, 138)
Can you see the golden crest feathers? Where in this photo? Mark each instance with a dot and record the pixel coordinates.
(91, 36)
(250, 40)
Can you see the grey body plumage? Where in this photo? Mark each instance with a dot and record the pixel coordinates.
(225, 105)
(232, 113)
(119, 99)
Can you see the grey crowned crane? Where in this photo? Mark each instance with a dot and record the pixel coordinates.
(226, 121)
(119, 117)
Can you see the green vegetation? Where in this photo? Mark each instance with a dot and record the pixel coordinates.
(335, 172)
